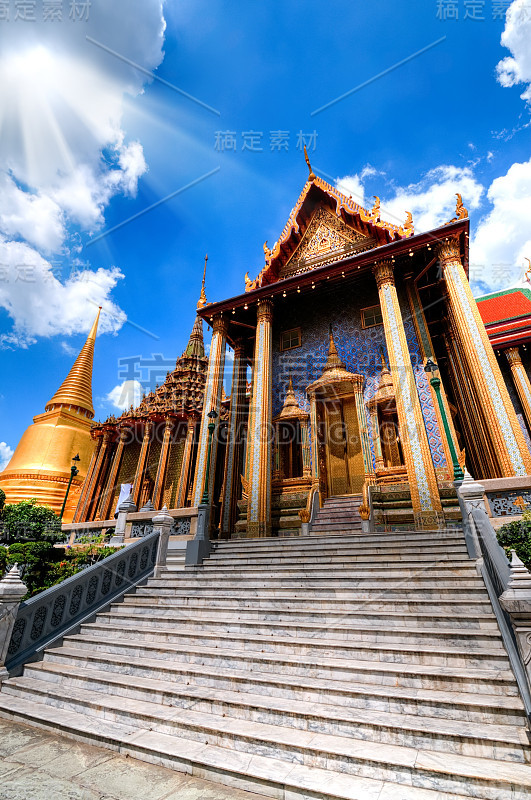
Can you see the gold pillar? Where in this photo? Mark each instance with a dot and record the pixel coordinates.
(504, 428)
(234, 441)
(521, 381)
(113, 475)
(362, 426)
(259, 437)
(94, 486)
(373, 410)
(306, 455)
(184, 477)
(426, 348)
(163, 461)
(140, 467)
(316, 475)
(212, 400)
(421, 473)
(87, 482)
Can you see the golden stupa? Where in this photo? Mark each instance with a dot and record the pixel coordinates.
(40, 465)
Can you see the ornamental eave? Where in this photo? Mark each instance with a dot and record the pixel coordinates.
(234, 307)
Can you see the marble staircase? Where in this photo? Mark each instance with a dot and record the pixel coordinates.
(339, 514)
(352, 667)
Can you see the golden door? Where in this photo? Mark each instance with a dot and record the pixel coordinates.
(346, 473)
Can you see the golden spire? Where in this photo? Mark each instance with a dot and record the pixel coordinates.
(76, 389)
(333, 361)
(311, 176)
(196, 345)
(202, 297)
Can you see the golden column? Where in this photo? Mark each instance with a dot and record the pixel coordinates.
(94, 485)
(260, 426)
(139, 474)
(507, 435)
(521, 381)
(361, 413)
(212, 401)
(234, 440)
(314, 441)
(182, 489)
(88, 482)
(106, 506)
(163, 461)
(421, 473)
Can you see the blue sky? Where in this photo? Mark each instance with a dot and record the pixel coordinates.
(88, 141)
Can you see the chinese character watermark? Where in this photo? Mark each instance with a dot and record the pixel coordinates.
(253, 141)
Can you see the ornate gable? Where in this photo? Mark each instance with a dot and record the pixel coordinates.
(326, 240)
(300, 249)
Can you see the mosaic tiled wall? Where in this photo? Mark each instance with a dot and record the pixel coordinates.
(358, 347)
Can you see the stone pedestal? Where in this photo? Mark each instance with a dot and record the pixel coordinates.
(516, 601)
(12, 590)
(125, 508)
(162, 522)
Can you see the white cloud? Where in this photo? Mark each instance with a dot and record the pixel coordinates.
(352, 186)
(502, 239)
(41, 305)
(432, 200)
(126, 394)
(516, 68)
(65, 154)
(5, 455)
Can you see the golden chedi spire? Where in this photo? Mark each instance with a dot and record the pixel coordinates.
(76, 389)
(196, 344)
(40, 465)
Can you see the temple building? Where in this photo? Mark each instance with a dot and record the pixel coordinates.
(340, 328)
(40, 466)
(374, 375)
(150, 449)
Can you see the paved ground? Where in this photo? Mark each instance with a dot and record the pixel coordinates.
(36, 765)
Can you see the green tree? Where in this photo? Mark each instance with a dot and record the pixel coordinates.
(517, 536)
(29, 522)
(3, 560)
(34, 560)
(2, 500)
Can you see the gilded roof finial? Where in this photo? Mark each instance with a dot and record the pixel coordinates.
(333, 361)
(202, 297)
(311, 176)
(460, 210)
(528, 272)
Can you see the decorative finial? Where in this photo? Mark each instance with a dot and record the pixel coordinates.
(460, 210)
(311, 176)
(409, 228)
(527, 275)
(375, 210)
(202, 297)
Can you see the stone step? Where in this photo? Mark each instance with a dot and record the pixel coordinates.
(495, 779)
(378, 559)
(423, 579)
(350, 548)
(320, 571)
(368, 671)
(275, 644)
(351, 693)
(272, 777)
(462, 605)
(363, 540)
(230, 621)
(504, 742)
(245, 703)
(345, 592)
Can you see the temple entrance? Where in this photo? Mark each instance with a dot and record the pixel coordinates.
(345, 473)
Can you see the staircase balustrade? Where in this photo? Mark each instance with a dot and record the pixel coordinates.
(51, 614)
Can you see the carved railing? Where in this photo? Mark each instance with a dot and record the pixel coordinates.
(88, 532)
(51, 614)
(493, 565)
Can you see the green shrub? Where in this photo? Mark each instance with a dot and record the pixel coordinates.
(3, 560)
(29, 522)
(517, 536)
